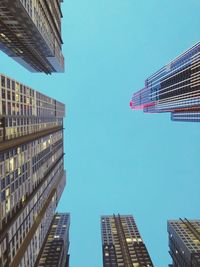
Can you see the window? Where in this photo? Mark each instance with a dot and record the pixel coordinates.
(8, 83)
(3, 83)
(13, 85)
(3, 94)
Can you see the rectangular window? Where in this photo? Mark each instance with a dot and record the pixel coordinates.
(3, 93)
(3, 107)
(13, 85)
(8, 83)
(3, 81)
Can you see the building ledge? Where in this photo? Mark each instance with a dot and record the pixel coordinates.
(13, 143)
(14, 217)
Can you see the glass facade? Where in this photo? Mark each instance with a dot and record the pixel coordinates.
(193, 116)
(25, 111)
(55, 250)
(175, 88)
(184, 242)
(30, 32)
(122, 243)
(32, 176)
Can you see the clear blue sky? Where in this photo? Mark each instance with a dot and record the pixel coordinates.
(119, 160)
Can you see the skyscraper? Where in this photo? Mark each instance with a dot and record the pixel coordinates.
(174, 88)
(30, 33)
(122, 243)
(32, 175)
(184, 242)
(55, 249)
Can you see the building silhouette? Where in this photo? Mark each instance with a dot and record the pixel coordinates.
(122, 244)
(175, 88)
(55, 249)
(31, 170)
(184, 242)
(30, 33)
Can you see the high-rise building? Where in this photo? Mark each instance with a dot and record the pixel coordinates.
(122, 243)
(174, 88)
(184, 242)
(56, 246)
(32, 175)
(30, 33)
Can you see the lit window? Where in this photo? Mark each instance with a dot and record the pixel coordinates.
(11, 164)
(7, 192)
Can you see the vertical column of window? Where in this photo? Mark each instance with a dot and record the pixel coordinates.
(34, 103)
(0, 96)
(2, 187)
(3, 96)
(122, 240)
(2, 111)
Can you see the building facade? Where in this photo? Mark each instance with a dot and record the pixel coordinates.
(55, 249)
(184, 242)
(122, 245)
(32, 175)
(175, 88)
(30, 33)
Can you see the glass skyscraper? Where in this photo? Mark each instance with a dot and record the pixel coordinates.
(184, 242)
(55, 250)
(32, 175)
(122, 244)
(30, 33)
(175, 88)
